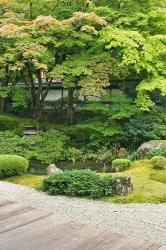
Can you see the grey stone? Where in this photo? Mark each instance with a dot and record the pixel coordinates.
(123, 185)
(146, 147)
(52, 169)
(31, 130)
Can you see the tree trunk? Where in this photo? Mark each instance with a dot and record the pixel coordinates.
(1, 105)
(30, 10)
(33, 96)
(5, 84)
(104, 167)
(62, 105)
(39, 101)
(70, 106)
(38, 111)
(38, 95)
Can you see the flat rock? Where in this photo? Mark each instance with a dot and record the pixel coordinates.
(52, 169)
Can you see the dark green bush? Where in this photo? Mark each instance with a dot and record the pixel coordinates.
(143, 127)
(159, 162)
(12, 165)
(133, 156)
(119, 165)
(79, 183)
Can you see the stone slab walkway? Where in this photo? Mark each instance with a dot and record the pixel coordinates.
(25, 228)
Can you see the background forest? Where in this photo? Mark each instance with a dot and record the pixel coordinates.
(110, 58)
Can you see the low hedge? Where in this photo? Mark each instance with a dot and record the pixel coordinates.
(120, 165)
(12, 165)
(79, 183)
(159, 162)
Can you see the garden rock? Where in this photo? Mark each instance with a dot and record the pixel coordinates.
(123, 185)
(146, 147)
(52, 169)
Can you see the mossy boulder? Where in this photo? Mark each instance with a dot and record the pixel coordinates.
(146, 147)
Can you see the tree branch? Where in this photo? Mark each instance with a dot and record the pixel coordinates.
(47, 89)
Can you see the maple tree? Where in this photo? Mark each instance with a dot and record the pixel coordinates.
(85, 44)
(35, 47)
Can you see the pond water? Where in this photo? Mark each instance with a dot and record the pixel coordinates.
(40, 169)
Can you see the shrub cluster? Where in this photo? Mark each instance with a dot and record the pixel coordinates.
(157, 152)
(12, 165)
(119, 165)
(143, 127)
(45, 147)
(79, 183)
(159, 162)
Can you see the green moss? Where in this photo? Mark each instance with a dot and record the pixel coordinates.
(10, 122)
(159, 176)
(149, 184)
(32, 181)
(146, 190)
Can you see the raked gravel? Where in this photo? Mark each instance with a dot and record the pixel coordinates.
(147, 221)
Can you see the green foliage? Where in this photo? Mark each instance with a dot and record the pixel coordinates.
(79, 183)
(4, 92)
(158, 162)
(19, 97)
(149, 185)
(133, 156)
(73, 154)
(89, 45)
(11, 165)
(54, 52)
(142, 127)
(143, 98)
(8, 122)
(88, 70)
(105, 156)
(84, 43)
(129, 42)
(13, 123)
(107, 117)
(138, 52)
(145, 189)
(119, 165)
(46, 147)
(157, 152)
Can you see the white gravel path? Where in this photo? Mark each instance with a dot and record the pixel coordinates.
(147, 221)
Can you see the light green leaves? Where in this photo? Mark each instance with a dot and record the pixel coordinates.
(146, 56)
(144, 89)
(123, 44)
(4, 92)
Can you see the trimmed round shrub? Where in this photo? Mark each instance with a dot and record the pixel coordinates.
(120, 165)
(159, 162)
(12, 165)
(79, 183)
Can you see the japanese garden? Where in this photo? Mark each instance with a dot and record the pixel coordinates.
(83, 102)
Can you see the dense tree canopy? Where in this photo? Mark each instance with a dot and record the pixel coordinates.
(89, 45)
